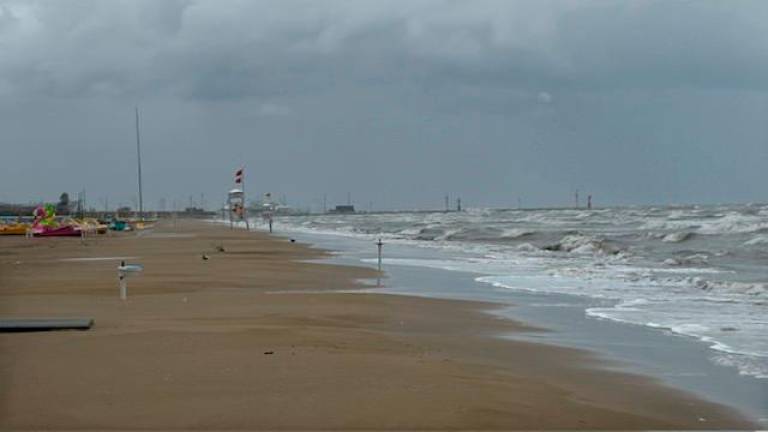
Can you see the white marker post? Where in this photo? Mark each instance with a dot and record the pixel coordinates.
(379, 244)
(123, 271)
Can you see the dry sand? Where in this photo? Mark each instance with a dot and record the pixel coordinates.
(237, 342)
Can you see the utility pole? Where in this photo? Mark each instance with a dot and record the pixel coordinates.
(138, 157)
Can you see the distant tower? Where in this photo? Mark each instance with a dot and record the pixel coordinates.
(458, 204)
(576, 197)
(589, 202)
(447, 203)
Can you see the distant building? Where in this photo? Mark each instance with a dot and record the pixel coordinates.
(7, 209)
(196, 211)
(344, 209)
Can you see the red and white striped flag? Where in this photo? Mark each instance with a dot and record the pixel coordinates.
(239, 176)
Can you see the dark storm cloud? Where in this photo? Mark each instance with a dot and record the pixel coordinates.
(424, 85)
(230, 49)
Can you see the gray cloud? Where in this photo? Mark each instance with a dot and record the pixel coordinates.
(492, 99)
(230, 49)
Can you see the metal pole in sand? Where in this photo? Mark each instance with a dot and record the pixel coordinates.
(245, 212)
(121, 276)
(138, 160)
(379, 244)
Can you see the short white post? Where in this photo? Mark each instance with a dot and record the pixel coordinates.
(379, 244)
(123, 286)
(122, 276)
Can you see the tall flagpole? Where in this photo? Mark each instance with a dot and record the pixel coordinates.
(138, 157)
(242, 187)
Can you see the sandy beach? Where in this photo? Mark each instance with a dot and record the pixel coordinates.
(255, 337)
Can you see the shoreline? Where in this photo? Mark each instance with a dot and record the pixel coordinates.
(188, 349)
(677, 361)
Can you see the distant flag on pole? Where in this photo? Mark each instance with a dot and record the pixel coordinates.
(239, 176)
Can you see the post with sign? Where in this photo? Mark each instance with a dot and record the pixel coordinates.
(379, 244)
(123, 271)
(268, 210)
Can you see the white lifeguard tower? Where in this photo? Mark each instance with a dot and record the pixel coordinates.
(236, 206)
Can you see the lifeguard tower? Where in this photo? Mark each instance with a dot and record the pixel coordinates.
(236, 201)
(236, 205)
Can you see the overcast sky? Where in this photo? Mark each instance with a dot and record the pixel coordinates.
(397, 102)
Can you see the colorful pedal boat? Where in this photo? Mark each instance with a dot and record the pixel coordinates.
(62, 231)
(14, 229)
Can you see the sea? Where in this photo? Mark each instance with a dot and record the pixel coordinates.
(696, 271)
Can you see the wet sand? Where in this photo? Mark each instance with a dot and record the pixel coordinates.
(255, 338)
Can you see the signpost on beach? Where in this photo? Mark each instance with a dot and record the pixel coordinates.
(268, 211)
(123, 271)
(379, 244)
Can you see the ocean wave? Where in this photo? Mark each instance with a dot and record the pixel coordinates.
(744, 288)
(515, 233)
(731, 349)
(430, 233)
(757, 240)
(734, 223)
(677, 237)
(716, 224)
(694, 259)
(527, 247)
(478, 233)
(583, 244)
(746, 365)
